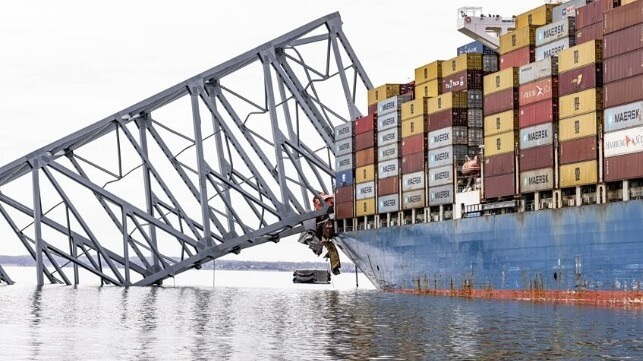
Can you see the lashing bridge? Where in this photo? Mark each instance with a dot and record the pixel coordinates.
(228, 159)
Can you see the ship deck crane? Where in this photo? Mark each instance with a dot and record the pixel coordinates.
(486, 29)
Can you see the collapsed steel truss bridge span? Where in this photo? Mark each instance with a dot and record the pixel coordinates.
(228, 159)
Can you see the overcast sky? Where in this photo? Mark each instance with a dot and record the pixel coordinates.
(67, 64)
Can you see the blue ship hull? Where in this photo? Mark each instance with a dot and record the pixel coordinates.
(593, 249)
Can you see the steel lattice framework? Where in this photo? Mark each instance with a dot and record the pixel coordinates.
(225, 160)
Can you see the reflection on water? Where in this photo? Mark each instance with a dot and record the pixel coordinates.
(268, 323)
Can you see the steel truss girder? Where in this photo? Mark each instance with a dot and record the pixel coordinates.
(228, 159)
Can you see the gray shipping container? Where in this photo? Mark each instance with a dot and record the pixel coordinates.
(441, 176)
(536, 180)
(413, 181)
(391, 104)
(541, 134)
(388, 136)
(475, 99)
(343, 147)
(414, 199)
(389, 203)
(388, 152)
(388, 121)
(441, 195)
(554, 48)
(344, 162)
(447, 136)
(567, 9)
(490, 63)
(560, 29)
(540, 69)
(344, 131)
(446, 155)
(389, 168)
(365, 190)
(475, 118)
(476, 136)
(623, 116)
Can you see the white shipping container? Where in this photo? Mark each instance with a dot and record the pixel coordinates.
(440, 157)
(389, 168)
(344, 162)
(441, 195)
(365, 190)
(624, 116)
(441, 176)
(344, 131)
(623, 141)
(391, 104)
(388, 121)
(567, 9)
(414, 199)
(413, 181)
(536, 180)
(552, 49)
(541, 134)
(389, 203)
(388, 136)
(343, 147)
(563, 28)
(537, 70)
(388, 152)
(441, 137)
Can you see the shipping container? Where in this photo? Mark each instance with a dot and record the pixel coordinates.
(441, 195)
(392, 104)
(344, 194)
(413, 163)
(627, 166)
(365, 157)
(580, 55)
(623, 141)
(386, 152)
(372, 109)
(592, 12)
(362, 141)
(344, 210)
(447, 155)
(447, 101)
(624, 116)
(536, 17)
(518, 57)
(388, 121)
(390, 185)
(490, 63)
(389, 168)
(414, 144)
(388, 136)
(447, 136)
(623, 17)
(365, 173)
(579, 79)
(344, 131)
(580, 103)
(414, 126)
(475, 47)
(500, 143)
(428, 72)
(413, 199)
(560, 29)
(623, 91)
(408, 89)
(537, 135)
(365, 207)
(413, 181)
(536, 180)
(520, 38)
(365, 190)
(475, 118)
(500, 122)
(343, 147)
(578, 174)
(536, 158)
(388, 203)
(441, 176)
(537, 70)
(623, 66)
(501, 101)
(578, 150)
(431, 88)
(344, 162)
(475, 99)
(579, 126)
(499, 186)
(588, 33)
(538, 90)
(567, 9)
(382, 92)
(476, 137)
(537, 113)
(464, 80)
(499, 164)
(623, 41)
(501, 80)
(448, 118)
(343, 179)
(625, 2)
(461, 63)
(365, 124)
(414, 108)
(552, 49)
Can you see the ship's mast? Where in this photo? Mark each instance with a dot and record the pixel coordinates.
(485, 28)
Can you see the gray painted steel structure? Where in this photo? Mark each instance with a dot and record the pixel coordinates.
(148, 192)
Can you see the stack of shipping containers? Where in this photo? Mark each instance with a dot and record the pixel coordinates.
(589, 20)
(344, 168)
(365, 133)
(414, 127)
(518, 47)
(555, 37)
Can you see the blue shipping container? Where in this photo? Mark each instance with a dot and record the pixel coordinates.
(344, 178)
(475, 47)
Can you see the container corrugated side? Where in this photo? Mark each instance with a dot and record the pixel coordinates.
(501, 80)
(388, 203)
(623, 17)
(392, 104)
(490, 63)
(623, 141)
(520, 38)
(448, 118)
(413, 163)
(537, 113)
(578, 150)
(536, 180)
(365, 124)
(430, 71)
(499, 164)
(475, 136)
(414, 144)
(414, 107)
(343, 179)
(623, 167)
(588, 33)
(390, 185)
(365, 173)
(623, 41)
(362, 141)
(501, 101)
(624, 116)
(344, 162)
(441, 176)
(518, 57)
(475, 117)
(389, 168)
(537, 135)
(536, 158)
(365, 157)
(475, 47)
(387, 152)
(464, 80)
(589, 100)
(413, 199)
(538, 70)
(538, 90)
(365, 207)
(461, 63)
(414, 126)
(344, 210)
(567, 9)
(578, 174)
(344, 131)
(388, 136)
(447, 136)
(500, 122)
(365, 190)
(579, 79)
(592, 13)
(580, 55)
(441, 195)
(623, 91)
(447, 155)
(413, 181)
(548, 33)
(388, 121)
(552, 49)
(500, 143)
(343, 147)
(447, 101)
(500, 186)
(539, 16)
(344, 194)
(623, 66)
(382, 92)
(431, 88)
(579, 126)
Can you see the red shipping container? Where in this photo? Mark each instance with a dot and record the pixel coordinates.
(372, 109)
(500, 186)
(627, 166)
(414, 144)
(365, 157)
(390, 185)
(591, 32)
(448, 118)
(538, 113)
(413, 162)
(365, 140)
(499, 164)
(518, 57)
(623, 66)
(500, 101)
(344, 210)
(344, 194)
(622, 41)
(623, 91)
(538, 90)
(364, 124)
(536, 158)
(464, 80)
(592, 12)
(578, 150)
(408, 88)
(623, 17)
(579, 79)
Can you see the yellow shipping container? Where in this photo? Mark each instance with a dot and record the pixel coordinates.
(431, 88)
(517, 39)
(414, 108)
(500, 123)
(580, 55)
(500, 143)
(428, 72)
(447, 101)
(589, 100)
(580, 126)
(539, 16)
(413, 126)
(383, 92)
(501, 80)
(365, 173)
(578, 174)
(365, 207)
(461, 63)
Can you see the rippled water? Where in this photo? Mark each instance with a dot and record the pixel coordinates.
(265, 317)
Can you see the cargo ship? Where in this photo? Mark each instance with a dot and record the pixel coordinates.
(513, 170)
